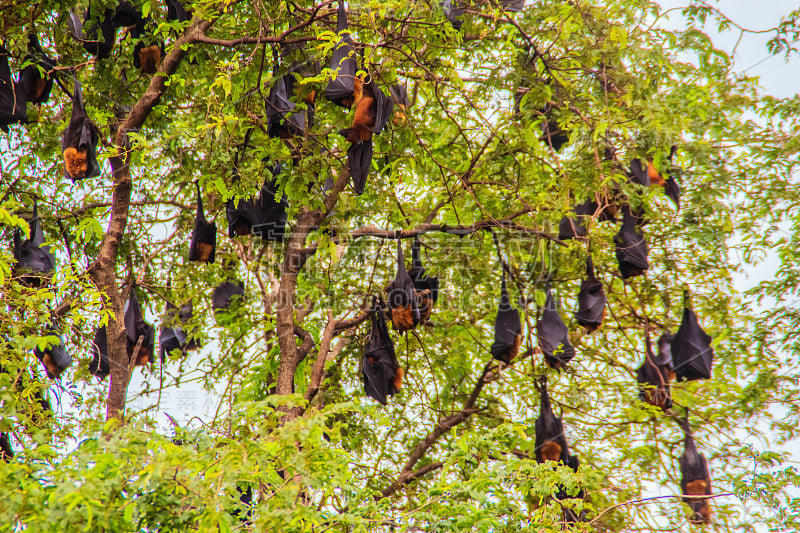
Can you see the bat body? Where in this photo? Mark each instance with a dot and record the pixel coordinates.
(552, 134)
(172, 336)
(664, 356)
(226, 293)
(6, 452)
(551, 443)
(402, 296)
(572, 227)
(54, 357)
(380, 370)
(591, 300)
(507, 327)
(553, 335)
(148, 52)
(638, 174)
(284, 119)
(78, 142)
(427, 287)
(12, 95)
(342, 89)
(97, 34)
(136, 327)
(263, 215)
(373, 110)
(631, 247)
(695, 479)
(399, 95)
(692, 354)
(34, 262)
(98, 366)
(453, 11)
(37, 78)
(653, 379)
(204, 235)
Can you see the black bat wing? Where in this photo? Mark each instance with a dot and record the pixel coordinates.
(383, 105)
(549, 428)
(135, 327)
(379, 362)
(12, 95)
(553, 335)
(99, 34)
(571, 227)
(270, 212)
(507, 327)
(631, 247)
(359, 159)
(176, 12)
(224, 294)
(279, 105)
(98, 366)
(402, 292)
(126, 15)
(453, 11)
(513, 6)
(58, 356)
(591, 300)
(673, 190)
(343, 61)
(692, 354)
(653, 380)
(203, 245)
(638, 173)
(6, 451)
(400, 95)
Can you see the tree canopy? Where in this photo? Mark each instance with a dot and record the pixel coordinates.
(434, 223)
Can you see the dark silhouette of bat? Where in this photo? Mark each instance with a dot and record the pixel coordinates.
(204, 235)
(172, 336)
(575, 226)
(177, 12)
(78, 141)
(226, 293)
(54, 356)
(507, 326)
(38, 76)
(373, 110)
(284, 119)
(692, 354)
(380, 370)
(399, 95)
(125, 14)
(427, 287)
(12, 95)
(591, 300)
(343, 89)
(246, 501)
(403, 307)
(98, 366)
(553, 335)
(262, 215)
(664, 356)
(6, 451)
(34, 262)
(551, 444)
(136, 327)
(453, 11)
(671, 187)
(513, 6)
(631, 247)
(638, 174)
(98, 34)
(653, 379)
(552, 134)
(695, 479)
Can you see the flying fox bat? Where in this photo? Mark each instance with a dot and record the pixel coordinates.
(591, 300)
(78, 141)
(553, 335)
(380, 370)
(692, 354)
(136, 327)
(403, 305)
(12, 95)
(204, 235)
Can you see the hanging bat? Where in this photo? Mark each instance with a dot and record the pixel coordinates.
(136, 327)
(343, 89)
(147, 52)
(427, 287)
(513, 6)
(671, 187)
(591, 300)
(6, 451)
(553, 335)
(98, 35)
(54, 356)
(37, 78)
(78, 141)
(572, 227)
(98, 366)
(380, 369)
(692, 354)
(551, 443)
(507, 327)
(177, 12)
(453, 11)
(373, 110)
(653, 379)
(34, 262)
(204, 235)
(125, 15)
(402, 296)
(552, 134)
(283, 121)
(12, 95)
(225, 294)
(172, 336)
(631, 247)
(399, 95)
(664, 357)
(262, 215)
(695, 479)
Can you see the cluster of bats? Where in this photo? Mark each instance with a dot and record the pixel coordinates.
(686, 355)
